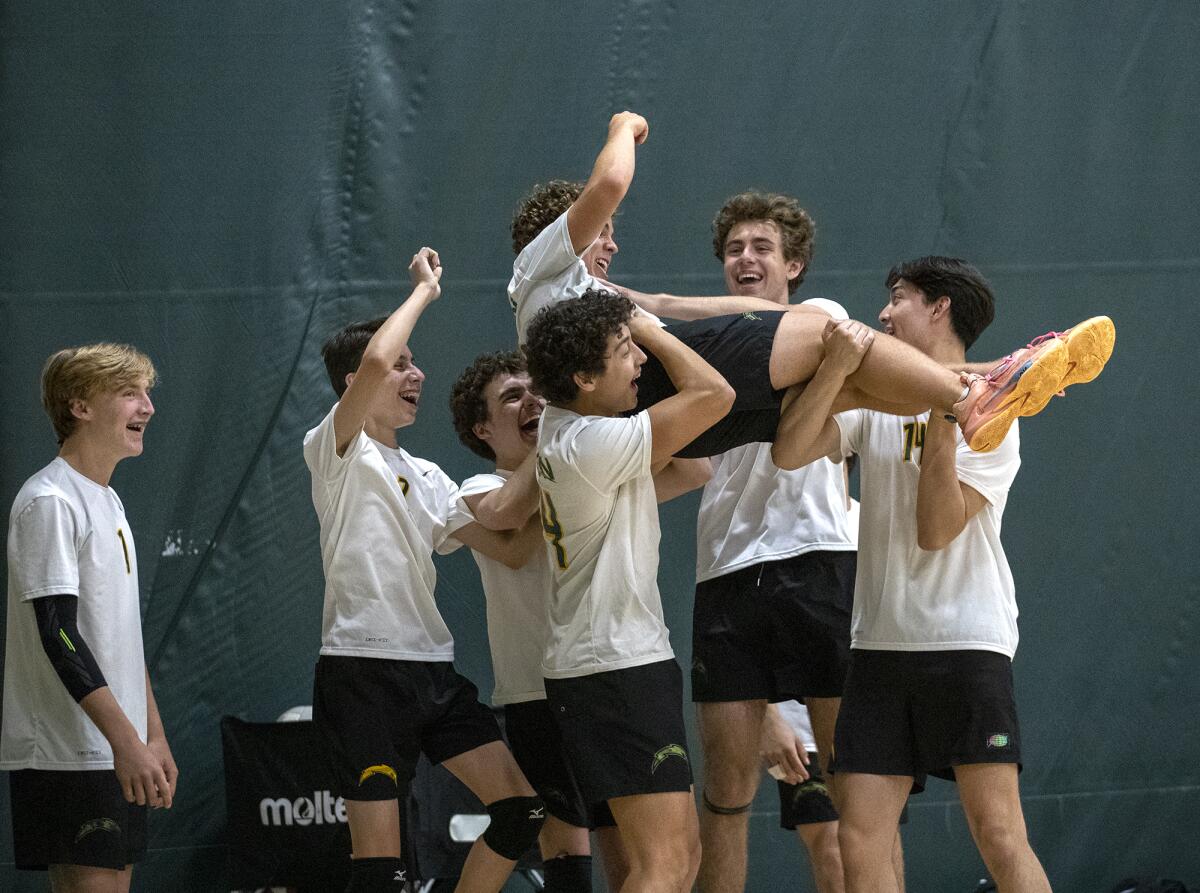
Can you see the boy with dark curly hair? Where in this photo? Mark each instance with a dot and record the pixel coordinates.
(496, 415)
(610, 673)
(762, 351)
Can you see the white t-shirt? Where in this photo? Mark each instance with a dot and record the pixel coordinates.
(601, 520)
(547, 271)
(907, 599)
(795, 714)
(382, 514)
(518, 602)
(752, 511)
(67, 535)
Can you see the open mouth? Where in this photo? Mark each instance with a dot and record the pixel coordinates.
(531, 426)
(413, 397)
(749, 278)
(139, 427)
(602, 265)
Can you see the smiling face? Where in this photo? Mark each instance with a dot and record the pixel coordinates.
(513, 411)
(598, 256)
(614, 390)
(754, 262)
(398, 396)
(114, 421)
(909, 317)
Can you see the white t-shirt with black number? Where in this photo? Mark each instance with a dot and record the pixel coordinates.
(382, 514)
(518, 604)
(752, 511)
(908, 599)
(547, 271)
(600, 516)
(68, 535)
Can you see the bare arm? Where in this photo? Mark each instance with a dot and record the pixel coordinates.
(779, 746)
(679, 476)
(139, 770)
(512, 548)
(611, 175)
(509, 506)
(385, 346)
(156, 741)
(944, 503)
(806, 432)
(688, 308)
(703, 397)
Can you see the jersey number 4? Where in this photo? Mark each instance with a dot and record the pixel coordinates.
(553, 530)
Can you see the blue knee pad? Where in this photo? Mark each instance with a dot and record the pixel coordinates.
(516, 823)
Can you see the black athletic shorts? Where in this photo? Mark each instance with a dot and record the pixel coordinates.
(74, 818)
(778, 630)
(806, 803)
(623, 730)
(739, 347)
(809, 803)
(376, 716)
(922, 713)
(537, 746)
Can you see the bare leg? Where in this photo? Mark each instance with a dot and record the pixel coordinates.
(492, 774)
(992, 801)
(661, 840)
(374, 828)
(820, 840)
(730, 733)
(89, 879)
(898, 862)
(612, 856)
(892, 371)
(867, 829)
(560, 839)
(823, 713)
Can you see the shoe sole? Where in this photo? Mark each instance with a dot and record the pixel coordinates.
(1089, 346)
(1033, 387)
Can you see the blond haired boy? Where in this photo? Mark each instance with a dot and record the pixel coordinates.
(81, 736)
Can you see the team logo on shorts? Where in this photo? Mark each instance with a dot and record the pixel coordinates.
(665, 753)
(378, 770)
(93, 825)
(750, 314)
(998, 740)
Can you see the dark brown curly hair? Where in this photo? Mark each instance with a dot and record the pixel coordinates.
(468, 405)
(544, 204)
(572, 336)
(795, 225)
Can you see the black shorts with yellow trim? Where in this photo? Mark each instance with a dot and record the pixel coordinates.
(377, 716)
(74, 818)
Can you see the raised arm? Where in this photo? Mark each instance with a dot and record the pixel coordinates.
(944, 503)
(703, 396)
(385, 346)
(508, 507)
(611, 175)
(806, 432)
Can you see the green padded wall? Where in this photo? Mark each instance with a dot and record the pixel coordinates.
(225, 183)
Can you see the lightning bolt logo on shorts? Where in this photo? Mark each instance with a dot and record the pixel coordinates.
(93, 825)
(380, 769)
(664, 753)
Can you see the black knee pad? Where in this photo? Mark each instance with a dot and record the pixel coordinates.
(568, 874)
(384, 874)
(724, 810)
(516, 822)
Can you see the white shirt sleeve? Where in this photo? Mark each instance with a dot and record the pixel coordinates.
(991, 474)
(851, 426)
(451, 518)
(320, 449)
(43, 550)
(548, 254)
(610, 451)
